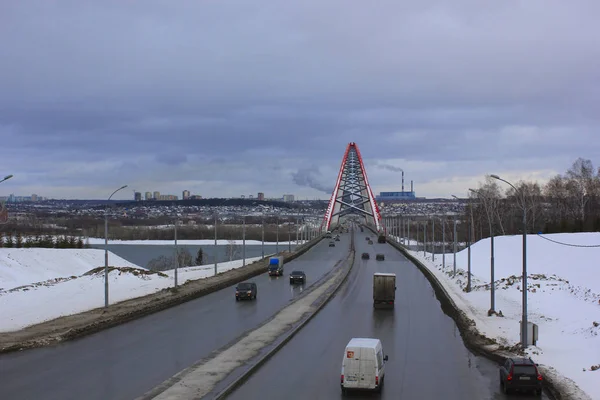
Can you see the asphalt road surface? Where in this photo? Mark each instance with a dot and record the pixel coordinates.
(427, 358)
(126, 361)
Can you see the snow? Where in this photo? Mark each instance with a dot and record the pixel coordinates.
(43, 284)
(199, 242)
(563, 297)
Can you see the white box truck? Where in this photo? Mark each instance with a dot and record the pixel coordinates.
(363, 365)
(384, 290)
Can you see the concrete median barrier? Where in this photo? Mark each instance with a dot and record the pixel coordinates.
(86, 323)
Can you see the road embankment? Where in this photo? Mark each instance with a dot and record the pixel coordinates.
(86, 323)
(559, 387)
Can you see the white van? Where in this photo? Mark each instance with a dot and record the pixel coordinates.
(363, 365)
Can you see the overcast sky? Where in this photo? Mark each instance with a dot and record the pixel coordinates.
(227, 97)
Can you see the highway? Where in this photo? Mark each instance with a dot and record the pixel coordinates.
(126, 361)
(427, 358)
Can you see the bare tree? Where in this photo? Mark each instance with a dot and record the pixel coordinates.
(581, 178)
(233, 250)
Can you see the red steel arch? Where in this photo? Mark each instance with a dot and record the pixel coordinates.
(352, 194)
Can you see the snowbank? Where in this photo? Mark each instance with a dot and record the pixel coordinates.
(563, 300)
(22, 266)
(43, 284)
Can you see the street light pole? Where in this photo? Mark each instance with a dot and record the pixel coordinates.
(262, 247)
(433, 239)
(444, 242)
(244, 241)
(289, 237)
(105, 244)
(216, 248)
(492, 273)
(277, 235)
(425, 238)
(524, 342)
(176, 253)
(455, 243)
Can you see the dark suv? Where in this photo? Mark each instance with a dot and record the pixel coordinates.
(297, 277)
(520, 374)
(245, 290)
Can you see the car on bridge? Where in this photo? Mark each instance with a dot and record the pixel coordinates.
(275, 266)
(332, 244)
(297, 277)
(380, 257)
(520, 374)
(363, 366)
(365, 256)
(246, 291)
(367, 238)
(370, 242)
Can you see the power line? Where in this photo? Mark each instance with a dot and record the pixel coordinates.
(567, 244)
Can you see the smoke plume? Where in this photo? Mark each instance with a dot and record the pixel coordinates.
(309, 177)
(388, 167)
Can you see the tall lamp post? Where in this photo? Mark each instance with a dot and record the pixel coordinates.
(455, 244)
(105, 246)
(277, 233)
(524, 312)
(468, 247)
(243, 240)
(492, 278)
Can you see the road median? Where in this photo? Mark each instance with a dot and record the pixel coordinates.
(86, 323)
(222, 373)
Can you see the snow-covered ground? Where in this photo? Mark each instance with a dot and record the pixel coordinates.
(201, 242)
(563, 297)
(37, 284)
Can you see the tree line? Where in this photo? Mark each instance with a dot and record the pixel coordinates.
(568, 202)
(17, 240)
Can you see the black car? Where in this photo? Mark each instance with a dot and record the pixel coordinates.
(370, 242)
(245, 291)
(337, 238)
(297, 277)
(520, 374)
(332, 244)
(365, 256)
(367, 238)
(380, 257)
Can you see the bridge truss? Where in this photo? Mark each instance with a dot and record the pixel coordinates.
(352, 196)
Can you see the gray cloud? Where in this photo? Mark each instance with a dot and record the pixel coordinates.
(235, 97)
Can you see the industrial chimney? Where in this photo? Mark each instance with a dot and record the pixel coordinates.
(402, 181)
(411, 187)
